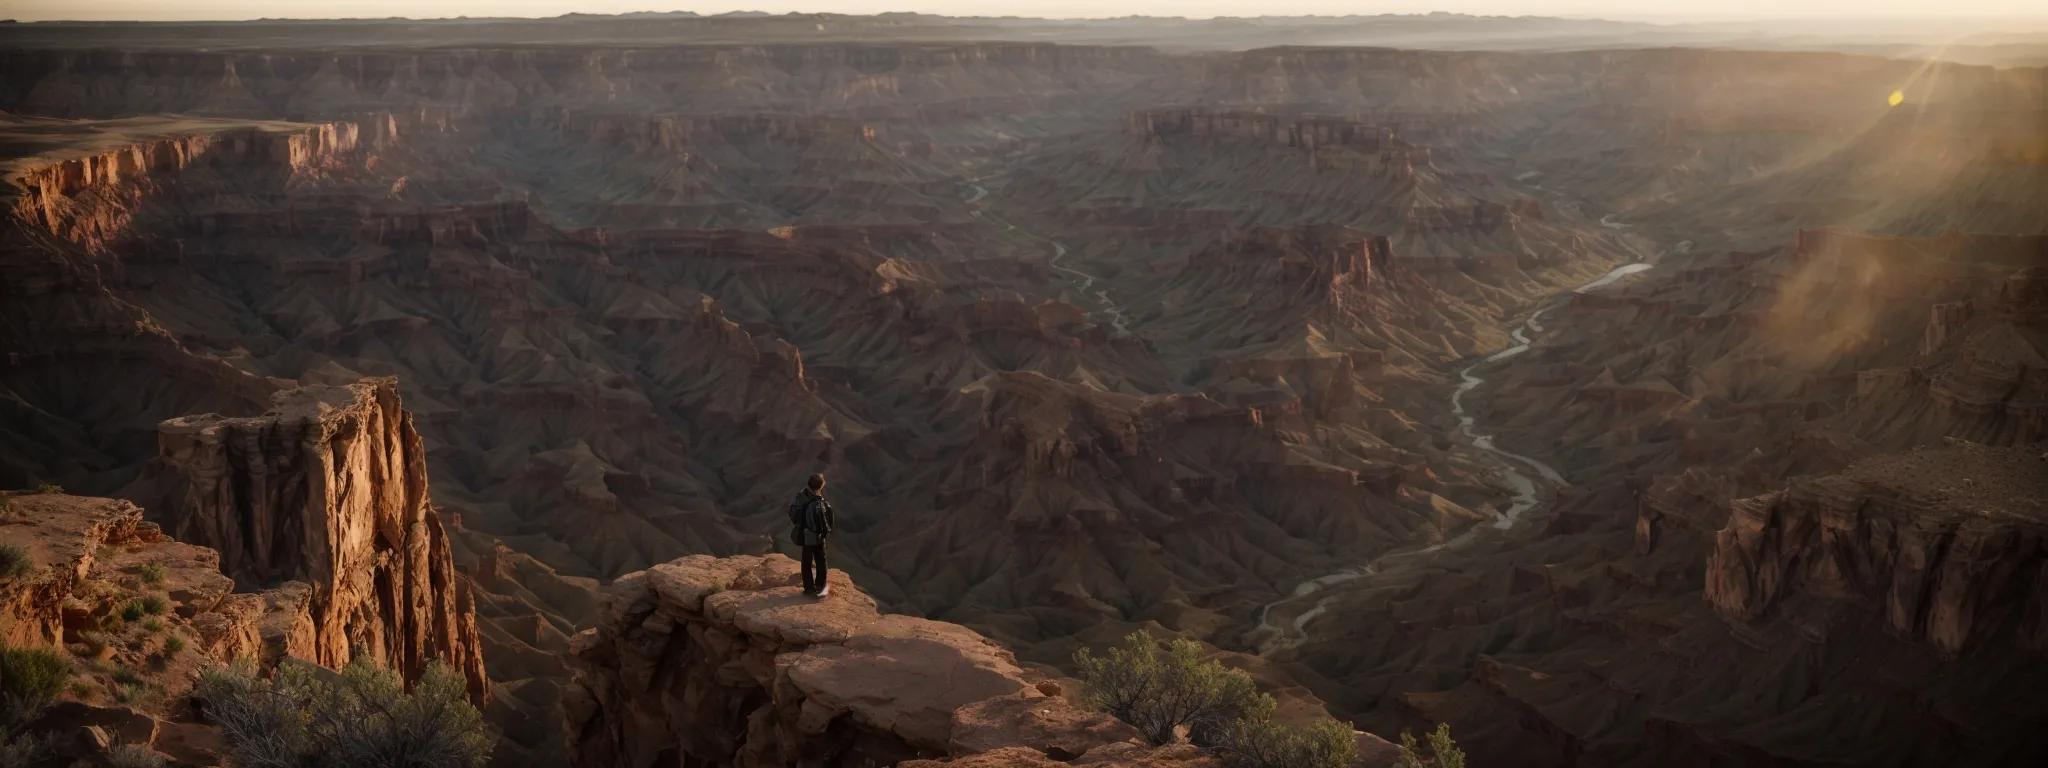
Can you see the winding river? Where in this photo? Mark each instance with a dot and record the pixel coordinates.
(1059, 251)
(1514, 467)
(1271, 636)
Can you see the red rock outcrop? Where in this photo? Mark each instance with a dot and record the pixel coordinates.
(92, 559)
(80, 543)
(89, 199)
(329, 488)
(1950, 541)
(724, 662)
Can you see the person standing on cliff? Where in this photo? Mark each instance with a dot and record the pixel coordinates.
(810, 518)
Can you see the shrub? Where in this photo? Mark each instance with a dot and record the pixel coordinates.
(173, 645)
(15, 562)
(152, 625)
(126, 675)
(1444, 753)
(143, 606)
(1265, 744)
(364, 716)
(49, 488)
(1159, 693)
(30, 678)
(134, 756)
(22, 748)
(152, 573)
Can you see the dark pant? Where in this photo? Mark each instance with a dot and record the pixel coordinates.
(814, 557)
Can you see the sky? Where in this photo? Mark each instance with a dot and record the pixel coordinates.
(1652, 10)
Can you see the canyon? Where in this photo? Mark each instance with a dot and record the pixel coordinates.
(1619, 406)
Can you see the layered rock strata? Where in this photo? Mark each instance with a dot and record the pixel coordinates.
(329, 488)
(1951, 542)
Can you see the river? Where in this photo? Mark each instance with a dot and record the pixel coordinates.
(1059, 251)
(1271, 637)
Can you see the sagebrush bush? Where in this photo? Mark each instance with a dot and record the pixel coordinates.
(1266, 744)
(151, 573)
(1159, 693)
(1444, 753)
(126, 675)
(154, 605)
(133, 611)
(31, 678)
(49, 488)
(22, 748)
(174, 644)
(15, 562)
(134, 756)
(364, 716)
(152, 625)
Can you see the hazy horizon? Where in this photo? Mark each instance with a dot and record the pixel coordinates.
(1618, 10)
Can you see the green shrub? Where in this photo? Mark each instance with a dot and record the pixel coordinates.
(135, 609)
(1444, 753)
(364, 716)
(30, 678)
(126, 675)
(15, 563)
(152, 573)
(152, 625)
(174, 645)
(1159, 693)
(1265, 744)
(49, 488)
(134, 756)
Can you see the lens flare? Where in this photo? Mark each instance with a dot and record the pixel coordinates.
(1897, 98)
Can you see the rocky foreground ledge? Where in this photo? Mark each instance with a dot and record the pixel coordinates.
(725, 662)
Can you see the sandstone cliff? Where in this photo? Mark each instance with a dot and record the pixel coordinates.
(724, 662)
(329, 488)
(1950, 542)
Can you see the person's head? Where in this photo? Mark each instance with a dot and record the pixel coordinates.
(816, 483)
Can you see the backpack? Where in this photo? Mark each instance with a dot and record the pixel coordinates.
(796, 520)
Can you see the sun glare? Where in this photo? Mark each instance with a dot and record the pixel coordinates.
(1897, 98)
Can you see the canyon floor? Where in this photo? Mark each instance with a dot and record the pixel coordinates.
(1630, 406)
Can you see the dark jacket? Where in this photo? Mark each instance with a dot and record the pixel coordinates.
(810, 517)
